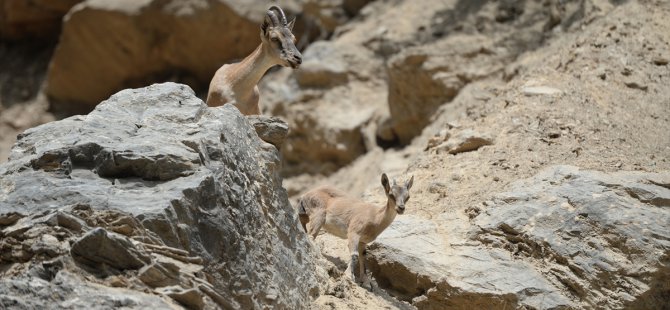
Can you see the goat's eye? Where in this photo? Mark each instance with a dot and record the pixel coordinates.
(391, 196)
(406, 198)
(274, 39)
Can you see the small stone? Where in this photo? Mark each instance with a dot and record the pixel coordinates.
(190, 298)
(155, 275)
(116, 281)
(660, 61)
(48, 245)
(270, 129)
(540, 90)
(464, 141)
(636, 85)
(437, 187)
(9, 218)
(123, 229)
(99, 248)
(472, 211)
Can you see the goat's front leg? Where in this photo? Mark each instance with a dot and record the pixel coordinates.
(355, 259)
(361, 266)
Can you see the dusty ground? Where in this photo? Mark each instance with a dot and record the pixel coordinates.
(597, 99)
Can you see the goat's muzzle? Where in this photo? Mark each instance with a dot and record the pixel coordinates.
(295, 62)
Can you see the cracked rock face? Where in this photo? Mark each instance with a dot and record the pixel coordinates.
(154, 180)
(564, 238)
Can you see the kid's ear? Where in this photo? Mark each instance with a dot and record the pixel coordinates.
(409, 183)
(385, 183)
(291, 24)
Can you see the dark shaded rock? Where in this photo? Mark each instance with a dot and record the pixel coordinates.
(9, 218)
(21, 19)
(99, 247)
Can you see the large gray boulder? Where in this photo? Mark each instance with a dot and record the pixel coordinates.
(566, 238)
(194, 190)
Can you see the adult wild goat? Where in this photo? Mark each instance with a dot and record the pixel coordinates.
(236, 83)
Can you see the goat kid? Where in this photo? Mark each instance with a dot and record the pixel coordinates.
(352, 219)
(236, 83)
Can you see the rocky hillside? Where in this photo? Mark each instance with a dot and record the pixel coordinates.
(537, 132)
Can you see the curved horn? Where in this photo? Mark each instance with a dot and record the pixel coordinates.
(280, 13)
(273, 18)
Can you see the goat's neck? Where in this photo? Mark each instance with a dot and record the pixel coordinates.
(387, 214)
(251, 69)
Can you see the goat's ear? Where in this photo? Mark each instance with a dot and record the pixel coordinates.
(409, 183)
(264, 27)
(291, 24)
(385, 183)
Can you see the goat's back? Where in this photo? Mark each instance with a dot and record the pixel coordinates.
(318, 198)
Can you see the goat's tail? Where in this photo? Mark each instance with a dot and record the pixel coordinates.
(302, 213)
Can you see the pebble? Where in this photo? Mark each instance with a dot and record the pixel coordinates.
(540, 90)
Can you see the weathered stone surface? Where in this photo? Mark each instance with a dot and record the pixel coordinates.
(564, 238)
(270, 129)
(192, 183)
(423, 78)
(463, 43)
(415, 260)
(99, 248)
(20, 19)
(319, 102)
(69, 291)
(327, 64)
(594, 233)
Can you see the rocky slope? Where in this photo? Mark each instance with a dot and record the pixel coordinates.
(502, 225)
(536, 132)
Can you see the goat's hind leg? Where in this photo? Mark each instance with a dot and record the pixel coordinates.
(316, 220)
